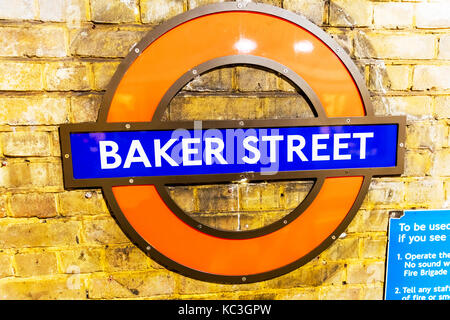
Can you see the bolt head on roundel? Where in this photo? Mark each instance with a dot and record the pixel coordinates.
(158, 67)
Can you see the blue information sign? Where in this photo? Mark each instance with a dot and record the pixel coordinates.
(218, 151)
(418, 259)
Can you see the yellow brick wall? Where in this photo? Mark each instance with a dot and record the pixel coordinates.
(56, 58)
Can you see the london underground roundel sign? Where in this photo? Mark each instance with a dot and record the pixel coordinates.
(132, 154)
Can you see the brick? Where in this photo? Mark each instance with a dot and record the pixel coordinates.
(114, 11)
(389, 77)
(42, 289)
(444, 47)
(21, 10)
(198, 3)
(442, 109)
(3, 206)
(441, 165)
(35, 264)
(433, 15)
(426, 135)
(218, 198)
(72, 203)
(43, 234)
(73, 12)
(413, 107)
(225, 221)
(19, 76)
(192, 286)
(85, 107)
(67, 77)
(143, 284)
(418, 163)
(393, 15)
(382, 192)
(365, 273)
(312, 9)
(295, 192)
(350, 13)
(298, 294)
(431, 77)
(250, 196)
(6, 266)
(39, 42)
(26, 143)
(184, 197)
(252, 79)
(33, 110)
(103, 41)
(347, 248)
(373, 248)
(41, 205)
(285, 107)
(373, 293)
(343, 39)
(425, 192)
(34, 174)
(270, 196)
(103, 72)
(369, 221)
(394, 46)
(156, 11)
(84, 260)
(125, 258)
(215, 80)
(103, 231)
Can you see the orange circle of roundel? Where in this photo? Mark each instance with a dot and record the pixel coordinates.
(183, 48)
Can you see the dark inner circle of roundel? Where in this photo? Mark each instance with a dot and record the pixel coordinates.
(191, 257)
(299, 84)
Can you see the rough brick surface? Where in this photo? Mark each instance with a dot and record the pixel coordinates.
(56, 60)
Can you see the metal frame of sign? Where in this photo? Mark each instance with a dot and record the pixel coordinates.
(161, 182)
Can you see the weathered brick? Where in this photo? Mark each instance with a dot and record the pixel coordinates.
(83, 260)
(365, 273)
(373, 248)
(73, 203)
(103, 42)
(442, 107)
(156, 11)
(413, 107)
(67, 77)
(433, 15)
(73, 12)
(125, 258)
(35, 263)
(21, 10)
(143, 284)
(33, 110)
(393, 15)
(198, 3)
(215, 80)
(3, 205)
(41, 205)
(103, 231)
(389, 77)
(19, 76)
(85, 107)
(252, 79)
(103, 72)
(39, 234)
(184, 197)
(26, 143)
(39, 42)
(295, 192)
(434, 77)
(385, 192)
(114, 11)
(218, 198)
(394, 46)
(42, 289)
(418, 163)
(34, 174)
(428, 192)
(6, 265)
(351, 13)
(426, 134)
(312, 9)
(347, 248)
(444, 47)
(369, 221)
(441, 165)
